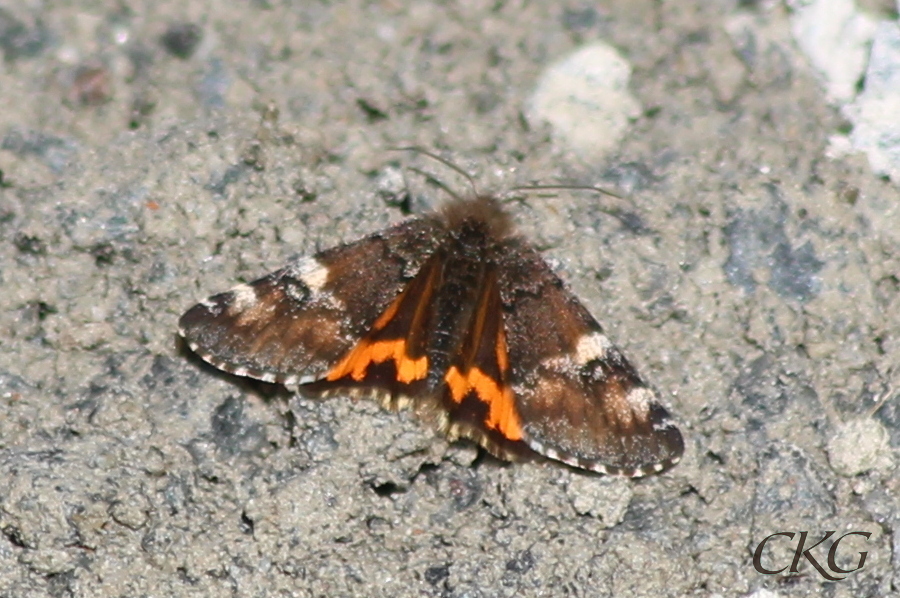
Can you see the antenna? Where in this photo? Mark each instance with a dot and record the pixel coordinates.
(600, 190)
(521, 188)
(445, 162)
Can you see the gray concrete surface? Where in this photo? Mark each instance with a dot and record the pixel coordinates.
(755, 283)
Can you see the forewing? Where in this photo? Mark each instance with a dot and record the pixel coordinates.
(390, 359)
(579, 399)
(293, 325)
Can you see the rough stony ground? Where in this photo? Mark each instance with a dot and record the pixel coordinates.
(753, 279)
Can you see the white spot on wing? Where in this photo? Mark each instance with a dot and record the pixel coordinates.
(639, 399)
(592, 347)
(597, 466)
(244, 298)
(313, 274)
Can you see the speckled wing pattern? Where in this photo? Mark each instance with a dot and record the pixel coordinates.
(580, 400)
(456, 316)
(293, 325)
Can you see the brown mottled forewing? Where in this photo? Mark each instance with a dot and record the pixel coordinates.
(294, 324)
(584, 412)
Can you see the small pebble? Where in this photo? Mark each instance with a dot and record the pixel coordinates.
(876, 128)
(835, 36)
(585, 99)
(858, 446)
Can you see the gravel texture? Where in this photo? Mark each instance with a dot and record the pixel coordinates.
(153, 153)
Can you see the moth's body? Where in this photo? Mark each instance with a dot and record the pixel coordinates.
(459, 317)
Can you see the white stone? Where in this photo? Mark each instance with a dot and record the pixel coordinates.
(858, 446)
(585, 99)
(835, 36)
(876, 126)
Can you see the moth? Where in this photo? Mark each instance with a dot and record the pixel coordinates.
(456, 316)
